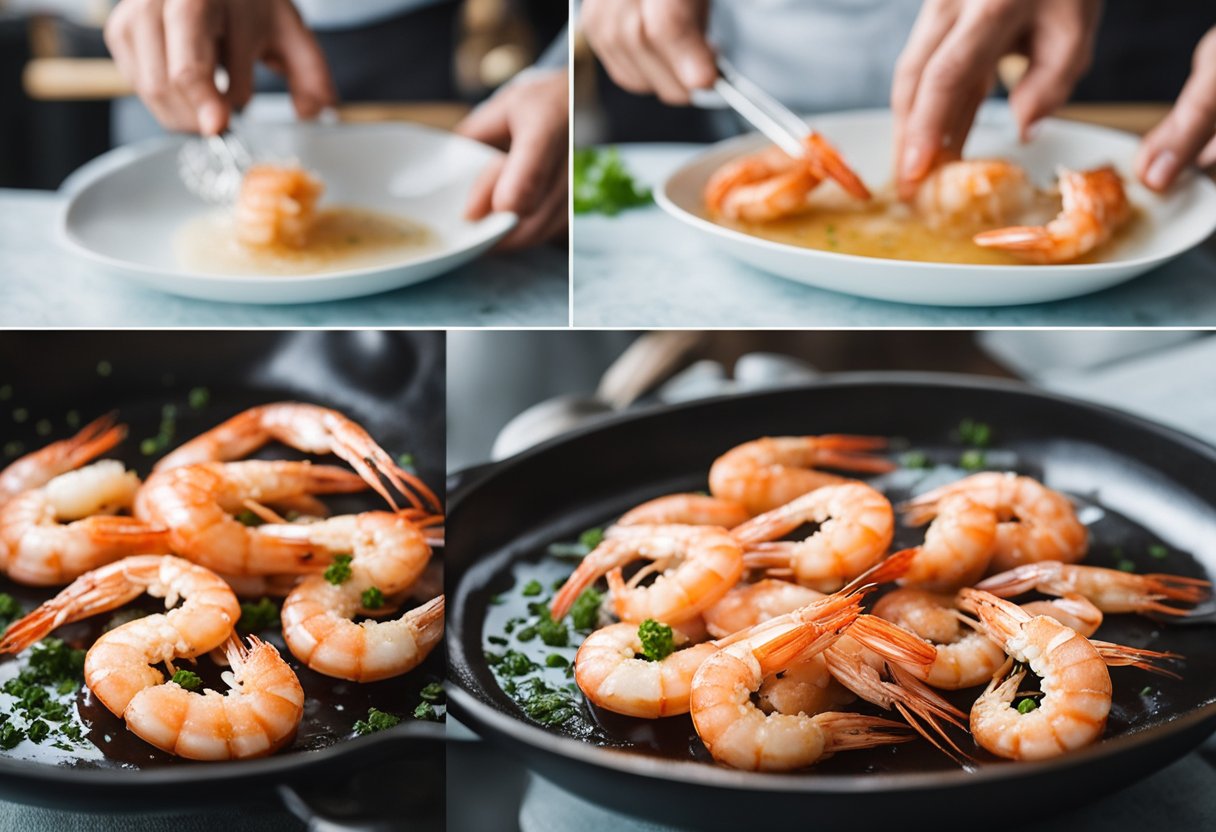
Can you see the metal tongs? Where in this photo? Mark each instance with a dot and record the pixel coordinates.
(768, 115)
(212, 167)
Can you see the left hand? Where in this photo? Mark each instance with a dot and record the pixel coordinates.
(530, 119)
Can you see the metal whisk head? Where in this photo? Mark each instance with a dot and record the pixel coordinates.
(212, 167)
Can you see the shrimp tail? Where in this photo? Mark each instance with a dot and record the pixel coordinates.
(886, 571)
(126, 531)
(826, 161)
(93, 593)
(1119, 655)
(892, 642)
(1018, 580)
(1177, 588)
(772, 557)
(818, 626)
(1017, 238)
(848, 732)
(93, 440)
(600, 561)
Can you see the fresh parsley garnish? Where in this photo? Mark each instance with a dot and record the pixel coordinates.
(657, 639)
(338, 572)
(603, 185)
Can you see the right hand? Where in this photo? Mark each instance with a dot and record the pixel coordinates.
(169, 50)
(652, 46)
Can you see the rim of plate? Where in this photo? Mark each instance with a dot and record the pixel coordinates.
(1195, 178)
(130, 155)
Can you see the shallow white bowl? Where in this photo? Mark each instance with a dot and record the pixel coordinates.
(125, 208)
(1168, 225)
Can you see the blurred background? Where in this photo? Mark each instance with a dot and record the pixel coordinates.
(509, 390)
(1143, 56)
(62, 102)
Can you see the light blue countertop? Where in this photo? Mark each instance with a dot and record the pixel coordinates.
(43, 285)
(643, 268)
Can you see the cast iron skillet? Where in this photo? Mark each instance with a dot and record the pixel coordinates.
(393, 384)
(1156, 484)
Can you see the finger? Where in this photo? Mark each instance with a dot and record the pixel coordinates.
(661, 78)
(304, 65)
(240, 55)
(964, 62)
(676, 33)
(480, 201)
(622, 40)
(930, 29)
(191, 32)
(538, 226)
(538, 147)
(151, 78)
(1059, 55)
(1187, 129)
(1207, 157)
(487, 123)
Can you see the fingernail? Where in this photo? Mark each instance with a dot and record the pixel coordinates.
(1162, 170)
(211, 118)
(913, 161)
(692, 73)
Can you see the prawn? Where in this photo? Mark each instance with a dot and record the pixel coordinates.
(389, 554)
(856, 525)
(308, 428)
(958, 546)
(1035, 523)
(772, 184)
(974, 192)
(53, 534)
(1095, 206)
(261, 711)
(276, 206)
(1110, 590)
(196, 504)
(739, 734)
(697, 565)
(766, 473)
(39, 467)
(686, 509)
(1075, 683)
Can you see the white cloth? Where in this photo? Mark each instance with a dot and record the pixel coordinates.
(815, 55)
(346, 14)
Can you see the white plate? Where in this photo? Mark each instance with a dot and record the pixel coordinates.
(1169, 225)
(126, 206)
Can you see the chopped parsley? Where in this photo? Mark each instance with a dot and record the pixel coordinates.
(432, 692)
(1158, 551)
(591, 538)
(187, 679)
(532, 588)
(406, 461)
(585, 612)
(914, 459)
(511, 663)
(10, 610)
(976, 434)
(20, 415)
(377, 720)
(53, 670)
(426, 710)
(603, 185)
(1125, 565)
(372, 598)
(556, 660)
(258, 615)
(1027, 705)
(1146, 690)
(542, 702)
(553, 633)
(972, 460)
(657, 640)
(338, 572)
(198, 397)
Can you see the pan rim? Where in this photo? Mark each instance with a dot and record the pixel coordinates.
(466, 706)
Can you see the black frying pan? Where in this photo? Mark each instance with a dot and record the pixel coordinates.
(1155, 484)
(393, 384)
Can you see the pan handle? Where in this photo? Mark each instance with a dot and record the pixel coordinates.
(459, 480)
(319, 820)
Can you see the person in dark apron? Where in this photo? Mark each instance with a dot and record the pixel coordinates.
(821, 54)
(321, 50)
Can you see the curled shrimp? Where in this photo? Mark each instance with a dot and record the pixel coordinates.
(697, 565)
(1035, 523)
(1110, 590)
(261, 712)
(772, 184)
(974, 193)
(388, 554)
(276, 206)
(308, 428)
(739, 734)
(686, 509)
(39, 467)
(54, 534)
(1075, 684)
(197, 502)
(1095, 206)
(749, 604)
(766, 473)
(958, 545)
(964, 656)
(856, 525)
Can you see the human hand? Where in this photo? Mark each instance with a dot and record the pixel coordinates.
(652, 46)
(169, 49)
(1188, 133)
(530, 119)
(948, 66)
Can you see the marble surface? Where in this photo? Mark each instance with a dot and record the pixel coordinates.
(43, 285)
(645, 269)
